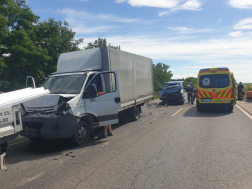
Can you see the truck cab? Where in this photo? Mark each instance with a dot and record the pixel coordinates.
(76, 104)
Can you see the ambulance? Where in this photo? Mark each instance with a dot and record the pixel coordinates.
(215, 87)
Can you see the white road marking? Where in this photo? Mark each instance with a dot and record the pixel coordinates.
(247, 114)
(177, 112)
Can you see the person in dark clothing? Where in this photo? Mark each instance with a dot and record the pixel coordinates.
(194, 93)
(189, 90)
(4, 147)
(242, 95)
(240, 88)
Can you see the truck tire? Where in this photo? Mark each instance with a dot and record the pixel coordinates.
(81, 134)
(230, 108)
(135, 114)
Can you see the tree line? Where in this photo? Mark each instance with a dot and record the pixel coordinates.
(29, 47)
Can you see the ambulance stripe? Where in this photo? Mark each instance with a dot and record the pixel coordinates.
(202, 94)
(225, 95)
(205, 93)
(199, 96)
(208, 94)
(220, 94)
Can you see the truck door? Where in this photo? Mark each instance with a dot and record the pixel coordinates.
(107, 104)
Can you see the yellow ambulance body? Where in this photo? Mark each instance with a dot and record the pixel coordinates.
(215, 87)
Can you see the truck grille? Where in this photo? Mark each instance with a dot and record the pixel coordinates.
(46, 109)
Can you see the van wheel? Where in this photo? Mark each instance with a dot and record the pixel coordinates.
(198, 108)
(81, 134)
(230, 108)
(135, 115)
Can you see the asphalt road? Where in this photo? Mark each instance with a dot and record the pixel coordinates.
(169, 147)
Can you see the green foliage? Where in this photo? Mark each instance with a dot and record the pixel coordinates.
(55, 37)
(247, 87)
(161, 75)
(29, 47)
(20, 56)
(100, 42)
(190, 79)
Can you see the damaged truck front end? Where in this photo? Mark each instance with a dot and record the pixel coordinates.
(57, 114)
(172, 93)
(48, 120)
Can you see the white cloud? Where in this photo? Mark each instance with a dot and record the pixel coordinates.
(87, 16)
(82, 29)
(244, 24)
(163, 13)
(236, 34)
(241, 4)
(191, 5)
(185, 30)
(168, 4)
(151, 3)
(120, 1)
(234, 53)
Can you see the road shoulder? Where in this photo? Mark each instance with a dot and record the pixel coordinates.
(247, 106)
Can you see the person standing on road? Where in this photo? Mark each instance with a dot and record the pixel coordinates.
(106, 132)
(189, 90)
(194, 94)
(240, 88)
(4, 147)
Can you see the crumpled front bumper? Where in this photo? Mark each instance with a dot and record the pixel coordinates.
(172, 98)
(49, 127)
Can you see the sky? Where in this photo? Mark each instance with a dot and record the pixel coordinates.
(187, 35)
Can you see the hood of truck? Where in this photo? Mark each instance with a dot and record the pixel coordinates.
(43, 103)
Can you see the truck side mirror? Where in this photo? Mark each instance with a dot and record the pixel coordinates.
(85, 94)
(92, 91)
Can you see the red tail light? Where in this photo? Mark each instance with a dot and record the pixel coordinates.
(232, 93)
(197, 93)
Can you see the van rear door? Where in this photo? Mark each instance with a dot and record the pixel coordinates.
(214, 88)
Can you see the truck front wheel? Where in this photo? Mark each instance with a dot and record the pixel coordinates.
(81, 134)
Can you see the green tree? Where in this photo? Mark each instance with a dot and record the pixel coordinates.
(19, 56)
(100, 42)
(56, 38)
(161, 75)
(190, 79)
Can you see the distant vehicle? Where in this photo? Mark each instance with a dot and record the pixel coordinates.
(215, 87)
(1, 92)
(172, 92)
(91, 88)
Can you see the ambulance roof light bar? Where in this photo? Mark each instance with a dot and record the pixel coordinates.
(210, 69)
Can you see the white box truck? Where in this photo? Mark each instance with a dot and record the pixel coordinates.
(90, 88)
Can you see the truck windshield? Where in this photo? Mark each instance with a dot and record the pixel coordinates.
(214, 81)
(65, 84)
(171, 85)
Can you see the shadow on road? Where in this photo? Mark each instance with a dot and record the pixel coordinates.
(207, 112)
(29, 151)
